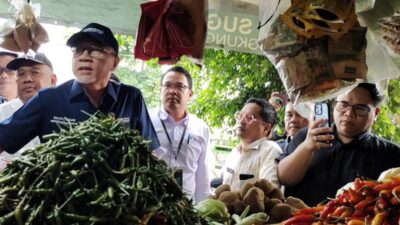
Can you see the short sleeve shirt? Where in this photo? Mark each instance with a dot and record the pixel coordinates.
(331, 168)
(68, 104)
(257, 161)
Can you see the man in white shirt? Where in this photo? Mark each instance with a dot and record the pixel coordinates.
(255, 156)
(8, 85)
(33, 74)
(184, 138)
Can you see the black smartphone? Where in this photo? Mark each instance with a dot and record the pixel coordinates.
(322, 111)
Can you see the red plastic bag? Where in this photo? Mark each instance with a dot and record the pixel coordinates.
(150, 14)
(169, 29)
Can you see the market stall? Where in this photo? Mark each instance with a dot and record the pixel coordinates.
(234, 26)
(108, 175)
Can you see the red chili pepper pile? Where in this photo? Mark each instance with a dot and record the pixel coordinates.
(369, 202)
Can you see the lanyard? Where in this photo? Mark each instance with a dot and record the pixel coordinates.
(169, 139)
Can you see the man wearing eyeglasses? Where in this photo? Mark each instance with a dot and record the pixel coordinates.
(95, 56)
(255, 155)
(184, 138)
(8, 85)
(323, 159)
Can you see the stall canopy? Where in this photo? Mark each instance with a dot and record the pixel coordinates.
(232, 25)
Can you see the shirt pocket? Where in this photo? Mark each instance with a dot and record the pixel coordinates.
(194, 146)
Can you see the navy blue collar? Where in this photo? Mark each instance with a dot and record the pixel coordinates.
(77, 90)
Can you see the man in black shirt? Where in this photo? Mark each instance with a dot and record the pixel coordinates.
(321, 160)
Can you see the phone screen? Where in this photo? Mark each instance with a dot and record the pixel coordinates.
(321, 110)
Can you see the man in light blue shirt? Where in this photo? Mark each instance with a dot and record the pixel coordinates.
(184, 138)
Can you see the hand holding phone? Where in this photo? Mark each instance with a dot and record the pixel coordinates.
(278, 100)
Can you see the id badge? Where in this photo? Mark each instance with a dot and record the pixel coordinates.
(178, 175)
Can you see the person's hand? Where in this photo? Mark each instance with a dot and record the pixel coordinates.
(318, 137)
(276, 101)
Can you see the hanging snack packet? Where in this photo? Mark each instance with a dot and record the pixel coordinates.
(282, 40)
(347, 55)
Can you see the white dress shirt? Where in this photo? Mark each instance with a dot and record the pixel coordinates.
(257, 160)
(194, 156)
(6, 110)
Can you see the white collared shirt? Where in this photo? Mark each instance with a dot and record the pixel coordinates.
(194, 157)
(257, 160)
(6, 110)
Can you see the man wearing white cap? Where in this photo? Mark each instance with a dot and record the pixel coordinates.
(33, 74)
(296, 117)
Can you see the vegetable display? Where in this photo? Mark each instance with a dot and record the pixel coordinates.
(365, 203)
(97, 172)
(214, 210)
(216, 213)
(260, 198)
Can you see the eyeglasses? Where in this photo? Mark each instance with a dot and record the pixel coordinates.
(246, 117)
(177, 86)
(7, 71)
(93, 51)
(358, 109)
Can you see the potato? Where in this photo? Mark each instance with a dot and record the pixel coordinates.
(238, 194)
(270, 203)
(265, 185)
(221, 188)
(277, 193)
(255, 199)
(246, 188)
(228, 198)
(238, 207)
(281, 212)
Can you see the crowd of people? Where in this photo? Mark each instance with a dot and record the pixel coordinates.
(310, 161)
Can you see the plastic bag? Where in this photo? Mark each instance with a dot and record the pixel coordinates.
(169, 29)
(383, 59)
(312, 69)
(26, 33)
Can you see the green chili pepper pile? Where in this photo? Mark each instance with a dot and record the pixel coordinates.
(97, 172)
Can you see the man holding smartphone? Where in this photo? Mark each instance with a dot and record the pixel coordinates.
(321, 160)
(297, 116)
